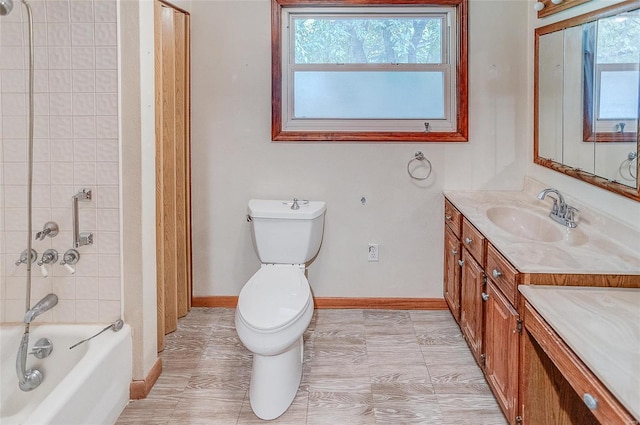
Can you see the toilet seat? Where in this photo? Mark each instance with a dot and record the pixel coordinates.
(274, 297)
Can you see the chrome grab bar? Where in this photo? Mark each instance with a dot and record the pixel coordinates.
(80, 238)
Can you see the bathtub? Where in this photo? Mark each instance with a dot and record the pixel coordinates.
(86, 385)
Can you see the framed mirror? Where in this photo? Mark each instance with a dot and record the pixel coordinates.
(587, 97)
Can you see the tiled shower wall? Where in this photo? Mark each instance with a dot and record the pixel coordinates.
(75, 146)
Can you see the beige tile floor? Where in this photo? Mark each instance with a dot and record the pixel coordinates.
(361, 367)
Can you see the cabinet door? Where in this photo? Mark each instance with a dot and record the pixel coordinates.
(452, 272)
(471, 303)
(501, 344)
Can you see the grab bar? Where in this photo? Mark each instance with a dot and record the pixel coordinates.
(80, 238)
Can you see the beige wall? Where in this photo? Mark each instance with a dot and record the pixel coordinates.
(234, 159)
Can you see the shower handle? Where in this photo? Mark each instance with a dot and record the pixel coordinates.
(80, 238)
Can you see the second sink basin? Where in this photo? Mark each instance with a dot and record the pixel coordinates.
(525, 224)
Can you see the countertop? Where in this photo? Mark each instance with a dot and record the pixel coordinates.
(602, 327)
(599, 245)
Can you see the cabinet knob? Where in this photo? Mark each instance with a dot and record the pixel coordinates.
(447, 217)
(590, 401)
(460, 263)
(496, 273)
(485, 296)
(454, 252)
(468, 241)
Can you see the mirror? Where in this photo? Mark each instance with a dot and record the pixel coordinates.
(587, 107)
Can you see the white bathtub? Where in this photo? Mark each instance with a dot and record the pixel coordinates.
(86, 385)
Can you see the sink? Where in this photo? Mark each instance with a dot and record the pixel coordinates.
(525, 224)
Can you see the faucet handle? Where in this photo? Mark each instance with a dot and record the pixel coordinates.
(570, 215)
(554, 208)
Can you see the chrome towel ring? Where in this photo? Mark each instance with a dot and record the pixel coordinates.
(630, 165)
(419, 156)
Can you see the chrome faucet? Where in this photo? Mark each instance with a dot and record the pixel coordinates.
(45, 304)
(561, 212)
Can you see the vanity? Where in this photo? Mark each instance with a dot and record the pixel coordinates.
(498, 245)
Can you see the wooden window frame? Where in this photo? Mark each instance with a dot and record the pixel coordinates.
(278, 134)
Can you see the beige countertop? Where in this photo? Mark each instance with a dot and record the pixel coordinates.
(599, 245)
(602, 327)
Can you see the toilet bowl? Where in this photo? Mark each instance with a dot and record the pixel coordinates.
(275, 306)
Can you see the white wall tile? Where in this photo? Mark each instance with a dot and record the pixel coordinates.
(58, 34)
(65, 311)
(60, 81)
(59, 57)
(84, 127)
(60, 105)
(82, 34)
(105, 10)
(108, 197)
(107, 104)
(106, 58)
(76, 145)
(106, 34)
(107, 127)
(110, 311)
(84, 104)
(84, 173)
(108, 150)
(81, 11)
(87, 288)
(83, 58)
(14, 150)
(107, 173)
(61, 150)
(109, 288)
(62, 173)
(84, 81)
(57, 10)
(87, 311)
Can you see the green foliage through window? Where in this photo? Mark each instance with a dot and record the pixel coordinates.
(368, 40)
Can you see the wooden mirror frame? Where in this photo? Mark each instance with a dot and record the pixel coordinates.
(612, 186)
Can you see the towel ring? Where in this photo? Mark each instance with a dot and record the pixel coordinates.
(629, 164)
(419, 156)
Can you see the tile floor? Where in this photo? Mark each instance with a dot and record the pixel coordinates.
(361, 367)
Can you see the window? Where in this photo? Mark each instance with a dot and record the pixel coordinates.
(611, 78)
(357, 71)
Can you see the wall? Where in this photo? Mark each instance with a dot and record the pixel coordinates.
(234, 159)
(75, 146)
(619, 207)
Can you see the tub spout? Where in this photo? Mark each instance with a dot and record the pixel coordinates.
(45, 304)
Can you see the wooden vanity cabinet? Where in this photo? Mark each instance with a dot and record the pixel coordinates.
(471, 308)
(452, 268)
(452, 258)
(501, 349)
(502, 332)
(556, 385)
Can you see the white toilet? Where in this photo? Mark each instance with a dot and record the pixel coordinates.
(275, 306)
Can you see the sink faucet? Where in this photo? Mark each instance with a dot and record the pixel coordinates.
(561, 212)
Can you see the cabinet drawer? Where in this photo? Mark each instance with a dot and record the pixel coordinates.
(473, 240)
(502, 273)
(452, 217)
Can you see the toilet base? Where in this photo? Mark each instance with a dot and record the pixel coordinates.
(275, 381)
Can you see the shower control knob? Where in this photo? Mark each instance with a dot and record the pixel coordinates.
(50, 256)
(23, 257)
(70, 258)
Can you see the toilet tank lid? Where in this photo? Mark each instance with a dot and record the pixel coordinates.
(262, 208)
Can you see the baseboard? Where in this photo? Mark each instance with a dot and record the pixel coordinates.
(141, 389)
(341, 302)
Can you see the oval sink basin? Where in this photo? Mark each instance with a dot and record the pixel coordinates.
(525, 224)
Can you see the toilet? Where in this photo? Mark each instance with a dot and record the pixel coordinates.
(275, 306)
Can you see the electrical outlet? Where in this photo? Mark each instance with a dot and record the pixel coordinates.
(373, 252)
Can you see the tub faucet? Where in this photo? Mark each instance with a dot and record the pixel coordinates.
(561, 212)
(45, 304)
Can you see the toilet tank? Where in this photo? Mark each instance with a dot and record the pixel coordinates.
(282, 235)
